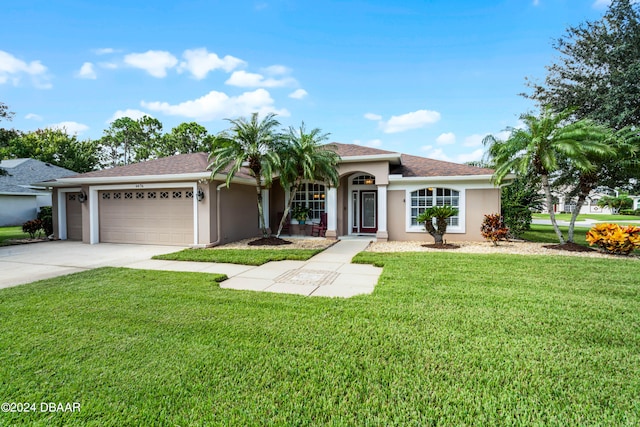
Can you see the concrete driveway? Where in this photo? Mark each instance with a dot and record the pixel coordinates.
(27, 263)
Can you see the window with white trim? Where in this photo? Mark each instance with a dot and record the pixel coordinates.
(311, 196)
(429, 197)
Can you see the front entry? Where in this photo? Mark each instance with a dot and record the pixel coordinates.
(365, 211)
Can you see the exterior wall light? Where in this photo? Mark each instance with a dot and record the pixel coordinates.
(200, 194)
(82, 197)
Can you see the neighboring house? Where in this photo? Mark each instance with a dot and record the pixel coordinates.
(568, 204)
(172, 200)
(19, 200)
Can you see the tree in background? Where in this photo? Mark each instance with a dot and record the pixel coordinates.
(148, 139)
(303, 157)
(617, 203)
(253, 142)
(118, 142)
(185, 138)
(57, 147)
(519, 198)
(598, 69)
(540, 146)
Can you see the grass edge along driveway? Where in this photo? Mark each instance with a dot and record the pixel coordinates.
(445, 339)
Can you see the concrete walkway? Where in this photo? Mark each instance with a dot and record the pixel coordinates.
(330, 273)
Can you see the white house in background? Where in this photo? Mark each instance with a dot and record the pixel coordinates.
(568, 204)
(19, 200)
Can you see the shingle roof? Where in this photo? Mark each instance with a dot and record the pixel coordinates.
(22, 173)
(413, 166)
(174, 165)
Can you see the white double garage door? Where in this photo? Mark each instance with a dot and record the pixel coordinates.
(162, 216)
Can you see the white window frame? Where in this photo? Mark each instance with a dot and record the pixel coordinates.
(459, 229)
(307, 200)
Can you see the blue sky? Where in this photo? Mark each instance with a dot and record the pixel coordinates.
(428, 78)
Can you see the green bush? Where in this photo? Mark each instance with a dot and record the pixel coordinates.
(517, 218)
(46, 216)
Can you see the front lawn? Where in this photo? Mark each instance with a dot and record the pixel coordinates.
(446, 338)
(240, 256)
(619, 219)
(7, 233)
(545, 234)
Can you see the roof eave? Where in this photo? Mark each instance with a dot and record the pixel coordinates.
(71, 181)
(456, 178)
(393, 158)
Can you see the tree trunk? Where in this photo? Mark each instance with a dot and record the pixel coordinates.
(287, 209)
(547, 191)
(260, 210)
(574, 216)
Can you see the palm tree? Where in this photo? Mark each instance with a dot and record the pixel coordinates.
(541, 145)
(252, 143)
(303, 157)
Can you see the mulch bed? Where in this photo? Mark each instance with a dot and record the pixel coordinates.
(569, 246)
(269, 241)
(441, 246)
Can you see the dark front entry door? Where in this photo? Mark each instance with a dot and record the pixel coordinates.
(368, 212)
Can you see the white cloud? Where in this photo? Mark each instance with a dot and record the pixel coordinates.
(413, 120)
(536, 2)
(86, 71)
(436, 153)
(12, 68)
(33, 116)
(108, 65)
(372, 116)
(131, 113)
(104, 51)
(298, 94)
(218, 105)
(71, 128)
(446, 138)
(199, 62)
(244, 79)
(371, 143)
(154, 62)
(601, 4)
(474, 140)
(277, 70)
(469, 157)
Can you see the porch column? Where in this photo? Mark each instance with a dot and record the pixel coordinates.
(382, 234)
(265, 208)
(332, 213)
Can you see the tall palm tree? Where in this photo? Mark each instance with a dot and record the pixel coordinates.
(540, 146)
(303, 157)
(250, 143)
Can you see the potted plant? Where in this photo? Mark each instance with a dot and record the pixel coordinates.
(300, 213)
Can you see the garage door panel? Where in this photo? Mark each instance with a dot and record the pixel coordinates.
(163, 216)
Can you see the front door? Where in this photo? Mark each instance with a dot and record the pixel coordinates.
(368, 212)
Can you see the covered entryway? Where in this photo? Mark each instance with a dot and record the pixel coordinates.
(364, 204)
(161, 216)
(73, 216)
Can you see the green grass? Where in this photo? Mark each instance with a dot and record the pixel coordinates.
(546, 234)
(595, 217)
(7, 233)
(446, 339)
(240, 256)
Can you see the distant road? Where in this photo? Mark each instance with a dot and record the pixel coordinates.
(583, 223)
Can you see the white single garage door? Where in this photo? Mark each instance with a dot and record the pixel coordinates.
(158, 216)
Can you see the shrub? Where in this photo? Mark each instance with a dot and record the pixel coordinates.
(615, 239)
(46, 216)
(32, 227)
(493, 228)
(441, 214)
(517, 218)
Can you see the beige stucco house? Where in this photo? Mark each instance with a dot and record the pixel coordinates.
(173, 201)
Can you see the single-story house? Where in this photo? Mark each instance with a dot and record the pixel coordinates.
(173, 201)
(19, 200)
